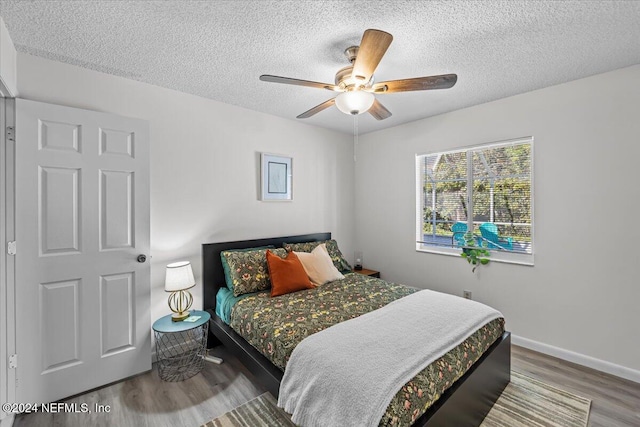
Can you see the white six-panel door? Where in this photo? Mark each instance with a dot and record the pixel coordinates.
(82, 220)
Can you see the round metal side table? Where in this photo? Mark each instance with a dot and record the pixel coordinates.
(181, 346)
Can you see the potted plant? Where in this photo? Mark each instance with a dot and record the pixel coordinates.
(474, 254)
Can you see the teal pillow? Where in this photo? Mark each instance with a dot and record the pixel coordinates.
(332, 247)
(225, 302)
(246, 270)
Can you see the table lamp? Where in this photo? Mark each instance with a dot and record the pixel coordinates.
(178, 279)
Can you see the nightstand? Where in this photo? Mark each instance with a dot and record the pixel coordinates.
(367, 272)
(181, 346)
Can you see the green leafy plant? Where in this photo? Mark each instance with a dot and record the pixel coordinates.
(474, 254)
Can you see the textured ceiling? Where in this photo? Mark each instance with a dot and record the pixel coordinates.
(217, 49)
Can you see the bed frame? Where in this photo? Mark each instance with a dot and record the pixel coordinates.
(465, 403)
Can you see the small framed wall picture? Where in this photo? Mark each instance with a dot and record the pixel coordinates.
(276, 177)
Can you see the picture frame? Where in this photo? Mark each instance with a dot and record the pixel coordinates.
(276, 177)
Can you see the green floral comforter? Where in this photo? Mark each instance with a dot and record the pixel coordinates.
(275, 326)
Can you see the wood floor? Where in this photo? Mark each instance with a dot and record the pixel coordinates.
(145, 400)
(614, 401)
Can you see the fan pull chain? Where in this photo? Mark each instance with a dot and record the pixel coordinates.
(355, 137)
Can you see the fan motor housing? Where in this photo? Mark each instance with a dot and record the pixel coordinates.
(344, 81)
(342, 75)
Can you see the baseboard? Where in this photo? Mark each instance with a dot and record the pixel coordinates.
(7, 421)
(580, 359)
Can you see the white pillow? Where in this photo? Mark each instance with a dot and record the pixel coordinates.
(319, 266)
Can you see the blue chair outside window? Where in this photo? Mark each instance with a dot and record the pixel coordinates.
(459, 229)
(489, 233)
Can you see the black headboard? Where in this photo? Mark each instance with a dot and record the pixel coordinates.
(212, 272)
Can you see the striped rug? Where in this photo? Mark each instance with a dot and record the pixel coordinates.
(261, 411)
(525, 402)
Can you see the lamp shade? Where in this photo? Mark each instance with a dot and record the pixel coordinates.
(354, 102)
(179, 276)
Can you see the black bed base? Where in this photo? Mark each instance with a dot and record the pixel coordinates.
(266, 372)
(470, 399)
(465, 403)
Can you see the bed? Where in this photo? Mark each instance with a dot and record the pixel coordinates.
(466, 402)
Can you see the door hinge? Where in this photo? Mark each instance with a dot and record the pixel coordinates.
(11, 133)
(11, 247)
(13, 361)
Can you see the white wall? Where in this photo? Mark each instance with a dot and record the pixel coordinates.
(8, 74)
(582, 295)
(205, 163)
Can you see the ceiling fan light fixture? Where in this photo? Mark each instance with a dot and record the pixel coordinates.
(354, 102)
(356, 81)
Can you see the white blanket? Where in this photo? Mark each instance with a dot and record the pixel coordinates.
(347, 374)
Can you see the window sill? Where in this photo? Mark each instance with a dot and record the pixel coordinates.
(503, 257)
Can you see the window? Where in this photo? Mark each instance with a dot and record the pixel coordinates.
(485, 190)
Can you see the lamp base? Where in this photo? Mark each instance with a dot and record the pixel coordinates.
(179, 317)
(180, 303)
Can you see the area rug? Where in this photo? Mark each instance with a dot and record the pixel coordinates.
(261, 411)
(525, 402)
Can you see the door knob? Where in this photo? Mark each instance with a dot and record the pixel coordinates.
(142, 258)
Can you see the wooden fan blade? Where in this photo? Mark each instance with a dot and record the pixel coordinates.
(379, 111)
(444, 81)
(298, 82)
(372, 48)
(317, 109)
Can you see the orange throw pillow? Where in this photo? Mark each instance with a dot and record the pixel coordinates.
(287, 275)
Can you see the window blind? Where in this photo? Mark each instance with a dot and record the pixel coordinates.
(485, 188)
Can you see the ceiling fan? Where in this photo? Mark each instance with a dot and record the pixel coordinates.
(356, 83)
